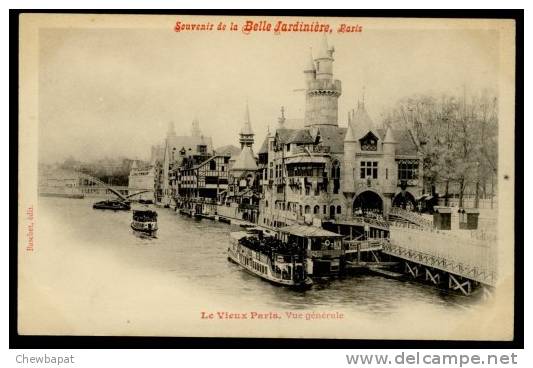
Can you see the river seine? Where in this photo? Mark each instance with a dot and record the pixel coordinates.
(102, 278)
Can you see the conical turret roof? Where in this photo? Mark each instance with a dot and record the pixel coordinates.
(323, 52)
(389, 137)
(310, 67)
(360, 125)
(349, 137)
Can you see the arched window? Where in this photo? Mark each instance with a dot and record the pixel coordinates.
(339, 210)
(307, 209)
(316, 210)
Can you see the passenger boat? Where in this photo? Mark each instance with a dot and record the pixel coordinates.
(144, 221)
(269, 258)
(112, 204)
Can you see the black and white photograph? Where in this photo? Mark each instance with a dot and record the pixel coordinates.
(309, 177)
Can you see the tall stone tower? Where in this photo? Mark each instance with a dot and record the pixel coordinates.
(171, 132)
(322, 94)
(246, 135)
(195, 128)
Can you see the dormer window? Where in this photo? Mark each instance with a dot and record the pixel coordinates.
(369, 142)
(202, 149)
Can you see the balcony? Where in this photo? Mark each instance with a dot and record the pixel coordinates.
(332, 85)
(311, 149)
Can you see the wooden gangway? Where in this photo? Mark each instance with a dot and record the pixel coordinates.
(468, 254)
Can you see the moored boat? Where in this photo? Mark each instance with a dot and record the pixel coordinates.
(269, 258)
(115, 205)
(144, 221)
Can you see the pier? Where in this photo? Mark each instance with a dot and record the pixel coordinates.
(462, 259)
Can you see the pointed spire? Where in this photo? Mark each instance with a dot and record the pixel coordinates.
(389, 137)
(281, 119)
(246, 135)
(349, 137)
(324, 52)
(247, 127)
(311, 62)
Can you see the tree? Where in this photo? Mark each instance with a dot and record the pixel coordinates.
(457, 138)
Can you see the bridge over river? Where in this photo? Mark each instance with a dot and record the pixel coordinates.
(71, 183)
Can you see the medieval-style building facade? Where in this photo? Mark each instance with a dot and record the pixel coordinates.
(328, 172)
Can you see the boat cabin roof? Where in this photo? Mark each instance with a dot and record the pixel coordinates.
(309, 231)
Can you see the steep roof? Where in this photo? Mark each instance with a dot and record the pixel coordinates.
(405, 142)
(245, 160)
(332, 137)
(189, 143)
(228, 150)
(285, 136)
(264, 147)
(360, 125)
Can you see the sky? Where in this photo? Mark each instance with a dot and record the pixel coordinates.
(109, 92)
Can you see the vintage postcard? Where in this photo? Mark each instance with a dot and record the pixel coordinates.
(266, 176)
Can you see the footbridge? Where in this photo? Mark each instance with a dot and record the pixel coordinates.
(463, 258)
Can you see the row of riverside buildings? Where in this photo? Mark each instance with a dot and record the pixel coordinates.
(306, 171)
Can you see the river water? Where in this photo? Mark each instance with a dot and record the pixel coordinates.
(189, 258)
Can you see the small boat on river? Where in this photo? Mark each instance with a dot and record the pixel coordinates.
(269, 258)
(112, 204)
(144, 221)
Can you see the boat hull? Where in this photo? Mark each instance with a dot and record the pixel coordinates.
(151, 232)
(300, 285)
(115, 206)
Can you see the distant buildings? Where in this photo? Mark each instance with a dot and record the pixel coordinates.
(175, 152)
(142, 177)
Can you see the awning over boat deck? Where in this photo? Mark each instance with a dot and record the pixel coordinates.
(309, 231)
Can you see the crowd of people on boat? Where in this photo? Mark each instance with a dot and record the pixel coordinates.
(270, 245)
(145, 216)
